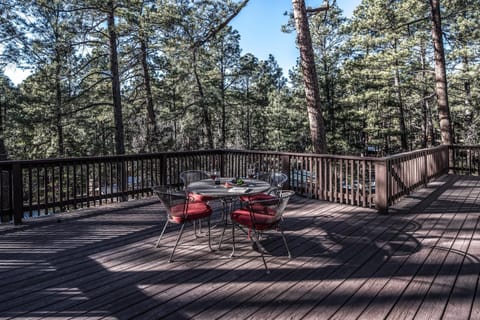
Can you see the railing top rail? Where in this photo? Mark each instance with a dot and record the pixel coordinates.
(411, 153)
(177, 153)
(104, 158)
(315, 155)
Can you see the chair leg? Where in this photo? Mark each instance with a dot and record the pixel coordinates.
(227, 205)
(176, 243)
(225, 219)
(209, 232)
(286, 244)
(221, 236)
(199, 228)
(195, 228)
(161, 234)
(233, 240)
(254, 239)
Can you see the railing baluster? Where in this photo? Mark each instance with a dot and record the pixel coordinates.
(30, 190)
(53, 188)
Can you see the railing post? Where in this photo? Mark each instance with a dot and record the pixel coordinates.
(425, 168)
(381, 186)
(222, 164)
(124, 178)
(163, 170)
(469, 161)
(285, 160)
(451, 159)
(319, 179)
(17, 190)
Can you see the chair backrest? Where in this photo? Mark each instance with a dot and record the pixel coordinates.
(190, 176)
(284, 196)
(276, 207)
(275, 179)
(170, 197)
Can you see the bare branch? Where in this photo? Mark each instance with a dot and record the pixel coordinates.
(319, 9)
(212, 32)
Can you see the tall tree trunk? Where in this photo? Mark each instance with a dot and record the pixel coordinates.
(424, 103)
(328, 91)
(312, 92)
(223, 104)
(206, 115)
(427, 121)
(152, 129)
(470, 128)
(248, 116)
(424, 126)
(58, 108)
(117, 101)
(59, 53)
(3, 149)
(441, 74)
(401, 111)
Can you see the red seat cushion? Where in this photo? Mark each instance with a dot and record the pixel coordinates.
(195, 197)
(195, 210)
(260, 197)
(264, 217)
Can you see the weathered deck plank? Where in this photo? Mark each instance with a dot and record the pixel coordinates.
(420, 262)
(318, 283)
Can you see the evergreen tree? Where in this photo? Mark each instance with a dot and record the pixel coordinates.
(44, 41)
(463, 36)
(180, 80)
(312, 94)
(328, 39)
(7, 105)
(441, 74)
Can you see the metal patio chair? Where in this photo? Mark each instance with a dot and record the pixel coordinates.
(180, 210)
(259, 216)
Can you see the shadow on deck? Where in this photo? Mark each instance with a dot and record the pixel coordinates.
(421, 261)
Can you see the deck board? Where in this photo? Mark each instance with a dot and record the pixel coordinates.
(422, 261)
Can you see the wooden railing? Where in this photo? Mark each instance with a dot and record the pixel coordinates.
(343, 179)
(466, 160)
(398, 175)
(42, 187)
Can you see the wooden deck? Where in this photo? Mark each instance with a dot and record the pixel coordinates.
(419, 262)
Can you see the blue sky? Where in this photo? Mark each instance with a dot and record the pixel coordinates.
(259, 25)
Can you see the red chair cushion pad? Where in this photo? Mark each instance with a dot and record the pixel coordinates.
(195, 210)
(258, 197)
(195, 197)
(264, 217)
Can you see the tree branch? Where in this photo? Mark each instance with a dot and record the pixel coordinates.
(92, 105)
(212, 32)
(319, 9)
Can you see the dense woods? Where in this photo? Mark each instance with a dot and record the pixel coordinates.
(134, 76)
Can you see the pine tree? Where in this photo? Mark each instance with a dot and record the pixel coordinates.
(441, 74)
(314, 108)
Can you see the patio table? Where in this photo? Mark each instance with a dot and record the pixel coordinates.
(227, 191)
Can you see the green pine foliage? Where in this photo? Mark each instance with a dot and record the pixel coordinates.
(186, 84)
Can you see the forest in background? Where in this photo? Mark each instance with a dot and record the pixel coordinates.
(168, 75)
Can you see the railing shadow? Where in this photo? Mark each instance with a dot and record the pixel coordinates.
(457, 194)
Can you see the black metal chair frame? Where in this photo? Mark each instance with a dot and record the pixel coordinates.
(170, 198)
(254, 236)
